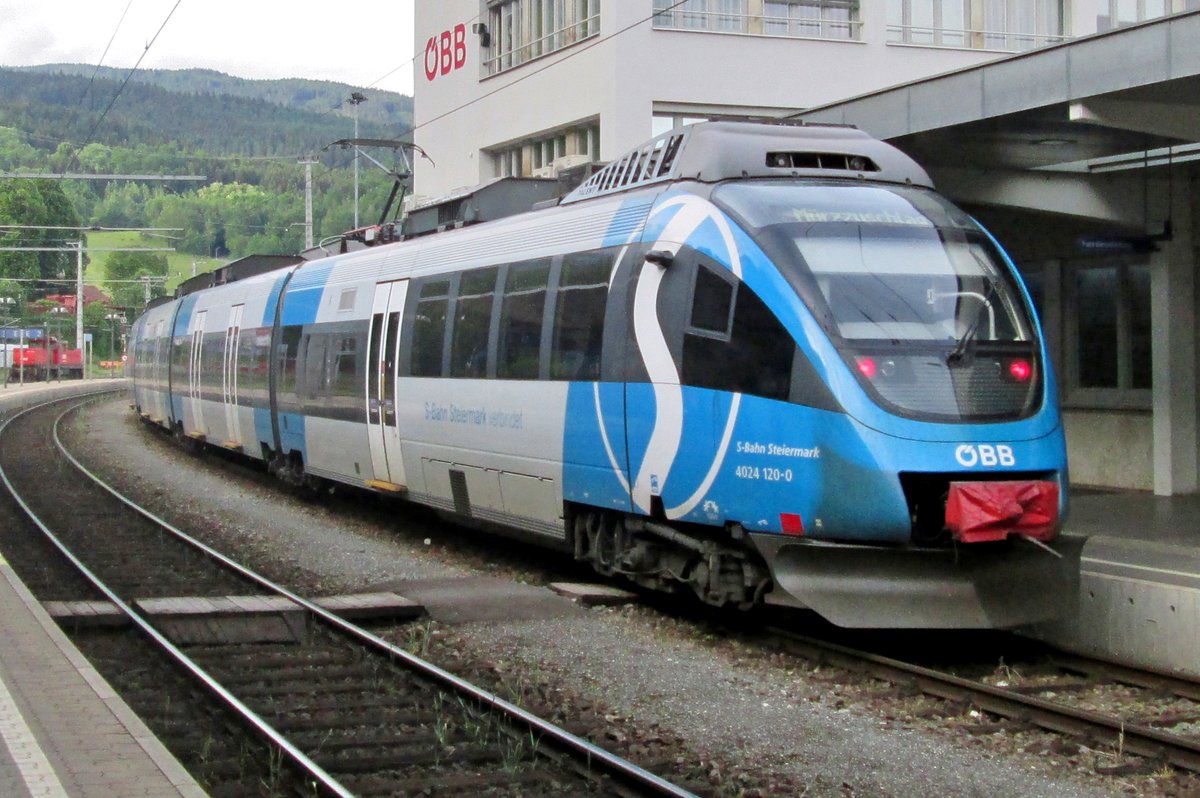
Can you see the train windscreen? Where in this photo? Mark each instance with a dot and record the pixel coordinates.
(914, 294)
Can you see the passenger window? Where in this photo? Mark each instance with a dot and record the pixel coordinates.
(579, 316)
(472, 323)
(288, 351)
(429, 328)
(521, 320)
(310, 366)
(344, 380)
(756, 356)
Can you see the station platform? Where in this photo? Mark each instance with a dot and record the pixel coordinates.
(64, 732)
(1139, 598)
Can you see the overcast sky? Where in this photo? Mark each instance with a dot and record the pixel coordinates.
(353, 41)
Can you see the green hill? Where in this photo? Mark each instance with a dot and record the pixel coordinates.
(193, 109)
(386, 109)
(181, 265)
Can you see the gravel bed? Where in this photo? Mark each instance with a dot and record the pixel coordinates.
(751, 722)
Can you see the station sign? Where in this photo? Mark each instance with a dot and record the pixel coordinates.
(1117, 245)
(446, 52)
(29, 334)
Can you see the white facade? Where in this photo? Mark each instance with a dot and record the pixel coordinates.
(618, 70)
(588, 77)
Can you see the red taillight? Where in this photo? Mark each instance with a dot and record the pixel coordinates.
(866, 366)
(1020, 370)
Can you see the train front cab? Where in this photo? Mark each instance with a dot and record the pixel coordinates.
(943, 475)
(913, 471)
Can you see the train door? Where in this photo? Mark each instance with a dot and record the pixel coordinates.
(229, 377)
(195, 381)
(382, 358)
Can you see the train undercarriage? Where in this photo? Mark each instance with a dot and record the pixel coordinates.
(666, 558)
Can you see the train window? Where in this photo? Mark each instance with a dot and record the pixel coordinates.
(579, 316)
(253, 349)
(756, 357)
(344, 372)
(311, 377)
(287, 351)
(712, 304)
(521, 313)
(429, 328)
(472, 323)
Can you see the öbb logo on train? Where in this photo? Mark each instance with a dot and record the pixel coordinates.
(985, 455)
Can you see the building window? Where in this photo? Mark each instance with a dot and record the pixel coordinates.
(820, 19)
(1108, 327)
(542, 155)
(981, 24)
(1129, 12)
(522, 30)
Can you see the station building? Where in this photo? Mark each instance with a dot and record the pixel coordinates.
(1069, 127)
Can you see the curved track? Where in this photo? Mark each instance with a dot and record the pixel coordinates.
(347, 711)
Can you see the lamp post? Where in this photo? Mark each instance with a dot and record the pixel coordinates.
(356, 99)
(113, 320)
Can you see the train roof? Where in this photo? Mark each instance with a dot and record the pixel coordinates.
(249, 266)
(713, 151)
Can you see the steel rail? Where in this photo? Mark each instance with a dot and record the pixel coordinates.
(1133, 738)
(1146, 678)
(614, 765)
(212, 685)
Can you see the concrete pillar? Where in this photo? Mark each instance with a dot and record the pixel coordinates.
(1173, 323)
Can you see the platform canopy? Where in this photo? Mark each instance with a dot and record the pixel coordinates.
(1091, 105)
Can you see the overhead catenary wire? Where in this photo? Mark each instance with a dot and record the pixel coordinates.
(103, 55)
(75, 155)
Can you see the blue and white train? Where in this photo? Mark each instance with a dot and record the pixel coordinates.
(766, 363)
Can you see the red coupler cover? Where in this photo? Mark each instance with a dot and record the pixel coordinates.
(977, 512)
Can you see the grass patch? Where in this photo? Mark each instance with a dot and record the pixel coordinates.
(179, 264)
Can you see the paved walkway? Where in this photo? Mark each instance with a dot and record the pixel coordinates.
(64, 733)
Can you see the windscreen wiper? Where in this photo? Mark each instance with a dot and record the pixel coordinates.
(964, 343)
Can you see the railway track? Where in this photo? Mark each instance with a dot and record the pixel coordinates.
(1102, 705)
(331, 707)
